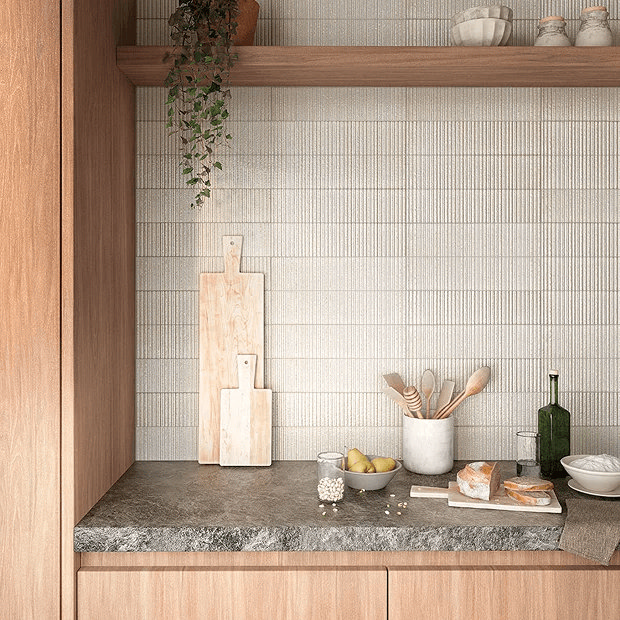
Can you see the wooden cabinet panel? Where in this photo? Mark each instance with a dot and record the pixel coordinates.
(242, 594)
(30, 311)
(511, 594)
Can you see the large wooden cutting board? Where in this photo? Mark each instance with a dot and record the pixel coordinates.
(501, 501)
(232, 317)
(245, 420)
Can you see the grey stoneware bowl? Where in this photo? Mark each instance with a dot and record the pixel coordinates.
(370, 482)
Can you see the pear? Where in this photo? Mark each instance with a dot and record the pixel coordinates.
(384, 463)
(355, 456)
(363, 467)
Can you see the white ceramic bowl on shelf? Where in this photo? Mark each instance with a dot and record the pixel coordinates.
(595, 481)
(370, 482)
(497, 11)
(487, 32)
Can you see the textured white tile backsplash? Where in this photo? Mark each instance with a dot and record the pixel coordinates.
(398, 230)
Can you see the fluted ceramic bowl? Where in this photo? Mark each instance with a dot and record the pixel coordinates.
(487, 32)
(370, 482)
(595, 481)
(497, 11)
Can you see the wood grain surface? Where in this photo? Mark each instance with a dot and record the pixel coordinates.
(242, 593)
(509, 594)
(398, 66)
(30, 311)
(245, 420)
(98, 258)
(232, 317)
(523, 559)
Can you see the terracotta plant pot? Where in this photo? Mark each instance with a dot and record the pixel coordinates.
(248, 16)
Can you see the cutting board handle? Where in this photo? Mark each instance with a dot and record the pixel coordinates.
(246, 367)
(420, 491)
(232, 253)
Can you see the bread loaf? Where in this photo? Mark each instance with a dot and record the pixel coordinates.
(523, 483)
(532, 498)
(479, 480)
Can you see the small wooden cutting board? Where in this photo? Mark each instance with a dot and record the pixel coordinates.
(501, 501)
(245, 419)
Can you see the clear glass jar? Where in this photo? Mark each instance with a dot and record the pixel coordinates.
(330, 468)
(552, 32)
(594, 28)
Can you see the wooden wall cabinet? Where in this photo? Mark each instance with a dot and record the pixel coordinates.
(67, 254)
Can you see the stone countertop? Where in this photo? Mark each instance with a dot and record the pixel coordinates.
(184, 506)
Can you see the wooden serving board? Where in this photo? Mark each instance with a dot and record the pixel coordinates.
(245, 419)
(501, 501)
(232, 316)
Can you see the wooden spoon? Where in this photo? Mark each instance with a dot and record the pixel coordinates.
(427, 387)
(475, 384)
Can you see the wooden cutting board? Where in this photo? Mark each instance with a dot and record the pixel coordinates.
(232, 317)
(245, 419)
(501, 501)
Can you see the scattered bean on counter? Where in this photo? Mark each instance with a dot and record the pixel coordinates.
(331, 489)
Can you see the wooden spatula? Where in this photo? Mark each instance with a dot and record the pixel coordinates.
(447, 389)
(395, 381)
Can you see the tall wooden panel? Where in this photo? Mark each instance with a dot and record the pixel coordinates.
(98, 257)
(30, 311)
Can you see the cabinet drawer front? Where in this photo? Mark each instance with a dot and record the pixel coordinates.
(515, 593)
(227, 593)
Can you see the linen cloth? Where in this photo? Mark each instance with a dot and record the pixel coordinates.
(592, 529)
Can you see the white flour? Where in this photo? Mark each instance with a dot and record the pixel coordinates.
(598, 462)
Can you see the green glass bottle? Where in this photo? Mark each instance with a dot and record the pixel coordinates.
(554, 429)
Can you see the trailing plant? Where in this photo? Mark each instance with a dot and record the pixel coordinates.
(202, 32)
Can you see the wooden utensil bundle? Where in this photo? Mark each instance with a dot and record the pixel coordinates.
(410, 400)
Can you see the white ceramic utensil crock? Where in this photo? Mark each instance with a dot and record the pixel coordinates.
(428, 445)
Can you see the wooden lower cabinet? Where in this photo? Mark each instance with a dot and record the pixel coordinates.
(190, 593)
(506, 593)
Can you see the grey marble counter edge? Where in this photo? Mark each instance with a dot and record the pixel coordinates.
(214, 539)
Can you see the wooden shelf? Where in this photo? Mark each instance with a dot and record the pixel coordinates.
(398, 66)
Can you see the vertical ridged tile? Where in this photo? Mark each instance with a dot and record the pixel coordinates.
(398, 229)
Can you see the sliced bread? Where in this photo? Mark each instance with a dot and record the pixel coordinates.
(531, 498)
(479, 480)
(526, 483)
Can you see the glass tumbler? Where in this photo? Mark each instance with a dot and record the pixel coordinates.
(528, 454)
(330, 467)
